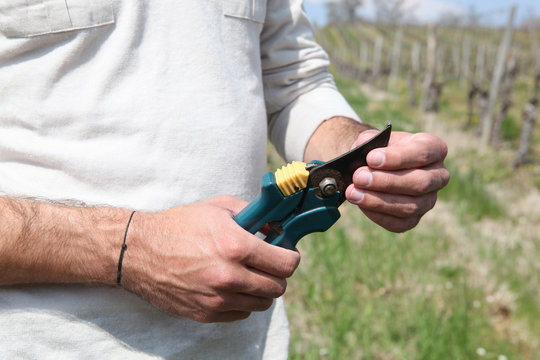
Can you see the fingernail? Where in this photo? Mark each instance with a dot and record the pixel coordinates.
(376, 158)
(356, 196)
(363, 179)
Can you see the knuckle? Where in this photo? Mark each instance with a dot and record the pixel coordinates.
(433, 145)
(424, 156)
(432, 200)
(279, 290)
(411, 223)
(445, 177)
(203, 317)
(385, 181)
(216, 303)
(365, 136)
(224, 279)
(265, 304)
(426, 138)
(400, 225)
(424, 185)
(242, 315)
(419, 207)
(288, 270)
(234, 250)
(407, 224)
(290, 267)
(411, 209)
(378, 205)
(427, 142)
(444, 148)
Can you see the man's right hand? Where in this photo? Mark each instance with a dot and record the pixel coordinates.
(194, 261)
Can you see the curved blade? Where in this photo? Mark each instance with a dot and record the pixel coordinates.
(343, 167)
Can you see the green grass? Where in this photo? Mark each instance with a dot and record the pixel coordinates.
(385, 296)
(536, 182)
(510, 129)
(468, 192)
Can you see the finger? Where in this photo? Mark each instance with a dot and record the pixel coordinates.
(230, 316)
(401, 206)
(365, 136)
(256, 283)
(406, 182)
(226, 316)
(252, 265)
(239, 302)
(391, 223)
(258, 254)
(265, 285)
(271, 259)
(418, 150)
(247, 280)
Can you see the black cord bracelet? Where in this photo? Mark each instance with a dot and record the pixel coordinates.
(124, 247)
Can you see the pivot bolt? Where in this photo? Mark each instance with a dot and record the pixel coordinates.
(328, 186)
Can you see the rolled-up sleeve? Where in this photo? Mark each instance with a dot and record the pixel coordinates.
(299, 91)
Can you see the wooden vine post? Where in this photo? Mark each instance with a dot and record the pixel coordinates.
(377, 59)
(479, 71)
(536, 53)
(413, 74)
(530, 113)
(455, 61)
(487, 121)
(475, 90)
(529, 119)
(364, 59)
(471, 97)
(431, 90)
(506, 97)
(466, 53)
(396, 52)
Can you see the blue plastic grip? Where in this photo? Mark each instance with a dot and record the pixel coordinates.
(296, 221)
(269, 205)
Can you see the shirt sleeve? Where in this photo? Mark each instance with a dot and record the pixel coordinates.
(299, 91)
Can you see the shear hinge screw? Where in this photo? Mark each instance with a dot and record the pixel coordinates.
(328, 186)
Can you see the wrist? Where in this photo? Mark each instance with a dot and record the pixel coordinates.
(123, 250)
(333, 137)
(136, 263)
(102, 242)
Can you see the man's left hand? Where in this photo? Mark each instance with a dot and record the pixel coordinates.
(401, 181)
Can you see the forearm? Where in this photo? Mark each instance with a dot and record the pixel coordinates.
(49, 243)
(332, 138)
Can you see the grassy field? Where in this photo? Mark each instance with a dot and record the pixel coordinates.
(464, 284)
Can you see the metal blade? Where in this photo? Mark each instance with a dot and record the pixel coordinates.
(343, 167)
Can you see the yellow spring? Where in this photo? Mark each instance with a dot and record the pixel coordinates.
(292, 178)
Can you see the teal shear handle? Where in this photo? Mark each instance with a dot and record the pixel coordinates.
(299, 206)
(290, 217)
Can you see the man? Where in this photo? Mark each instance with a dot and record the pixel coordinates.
(163, 107)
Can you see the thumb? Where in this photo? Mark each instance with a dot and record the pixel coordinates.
(364, 136)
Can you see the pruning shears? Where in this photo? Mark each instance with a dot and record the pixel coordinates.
(301, 198)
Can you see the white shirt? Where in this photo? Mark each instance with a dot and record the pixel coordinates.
(148, 105)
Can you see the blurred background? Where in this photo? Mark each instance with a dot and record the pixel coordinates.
(464, 284)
